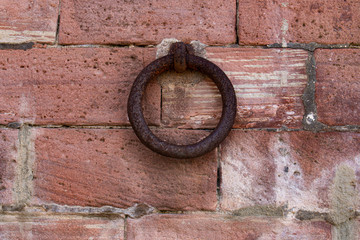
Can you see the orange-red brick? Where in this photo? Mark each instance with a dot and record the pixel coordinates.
(8, 159)
(268, 83)
(96, 167)
(328, 22)
(338, 86)
(40, 226)
(216, 227)
(28, 21)
(296, 169)
(72, 86)
(147, 22)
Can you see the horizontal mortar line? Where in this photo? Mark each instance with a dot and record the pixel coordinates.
(346, 128)
(238, 129)
(303, 46)
(100, 46)
(83, 126)
(312, 46)
(340, 128)
(89, 45)
(133, 46)
(284, 129)
(154, 46)
(42, 211)
(68, 126)
(114, 211)
(279, 129)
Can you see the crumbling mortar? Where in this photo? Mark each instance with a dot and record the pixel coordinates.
(345, 231)
(346, 128)
(342, 213)
(23, 185)
(304, 215)
(135, 211)
(344, 201)
(263, 210)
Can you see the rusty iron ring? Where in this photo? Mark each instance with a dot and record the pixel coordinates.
(193, 62)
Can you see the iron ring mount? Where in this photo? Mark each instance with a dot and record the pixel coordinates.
(180, 58)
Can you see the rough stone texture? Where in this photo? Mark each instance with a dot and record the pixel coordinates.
(73, 86)
(97, 167)
(268, 83)
(214, 227)
(8, 156)
(328, 22)
(46, 227)
(23, 187)
(147, 22)
(338, 86)
(304, 170)
(28, 21)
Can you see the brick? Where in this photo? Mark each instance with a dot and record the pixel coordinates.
(8, 157)
(147, 22)
(327, 22)
(28, 21)
(297, 169)
(337, 86)
(97, 167)
(73, 86)
(21, 226)
(206, 226)
(268, 83)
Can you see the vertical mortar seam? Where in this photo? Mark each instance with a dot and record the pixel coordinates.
(218, 177)
(309, 121)
(237, 23)
(161, 105)
(125, 227)
(58, 25)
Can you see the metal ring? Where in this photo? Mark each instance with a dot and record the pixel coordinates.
(143, 132)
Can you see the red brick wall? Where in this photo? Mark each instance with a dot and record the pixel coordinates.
(72, 168)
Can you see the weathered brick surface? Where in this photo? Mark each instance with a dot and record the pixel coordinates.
(147, 22)
(305, 21)
(46, 227)
(75, 152)
(95, 167)
(8, 157)
(268, 83)
(202, 226)
(28, 21)
(300, 169)
(338, 86)
(73, 86)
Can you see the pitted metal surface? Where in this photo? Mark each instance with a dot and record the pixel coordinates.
(181, 57)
